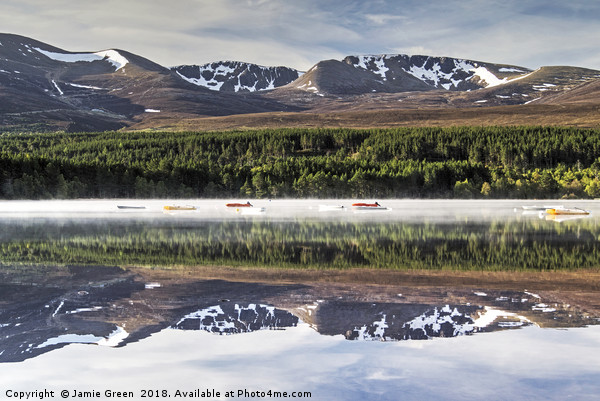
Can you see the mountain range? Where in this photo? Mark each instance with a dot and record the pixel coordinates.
(43, 88)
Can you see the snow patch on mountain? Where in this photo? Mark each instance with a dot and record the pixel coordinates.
(112, 56)
(439, 72)
(201, 81)
(235, 76)
(84, 86)
(435, 74)
(511, 70)
(57, 87)
(379, 62)
(486, 76)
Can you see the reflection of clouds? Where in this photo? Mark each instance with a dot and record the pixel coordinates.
(384, 375)
(523, 364)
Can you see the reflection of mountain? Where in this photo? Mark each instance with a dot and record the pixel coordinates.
(391, 321)
(409, 321)
(51, 319)
(444, 322)
(43, 309)
(232, 318)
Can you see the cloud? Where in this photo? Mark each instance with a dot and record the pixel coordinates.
(383, 19)
(299, 34)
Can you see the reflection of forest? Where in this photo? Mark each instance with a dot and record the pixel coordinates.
(498, 245)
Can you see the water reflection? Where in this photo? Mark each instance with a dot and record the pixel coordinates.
(233, 318)
(513, 241)
(46, 308)
(69, 298)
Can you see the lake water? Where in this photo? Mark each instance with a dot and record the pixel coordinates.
(94, 298)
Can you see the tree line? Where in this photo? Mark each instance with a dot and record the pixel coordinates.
(460, 162)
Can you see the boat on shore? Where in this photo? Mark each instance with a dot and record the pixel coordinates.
(130, 207)
(177, 207)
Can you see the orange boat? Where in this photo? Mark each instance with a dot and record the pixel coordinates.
(366, 204)
(247, 204)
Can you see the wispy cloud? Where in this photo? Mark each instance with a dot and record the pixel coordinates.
(301, 33)
(384, 19)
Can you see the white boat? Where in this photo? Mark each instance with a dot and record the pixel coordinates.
(251, 210)
(540, 208)
(530, 208)
(332, 208)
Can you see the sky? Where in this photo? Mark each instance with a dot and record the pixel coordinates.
(300, 33)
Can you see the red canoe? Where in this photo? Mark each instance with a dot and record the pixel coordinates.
(248, 204)
(366, 204)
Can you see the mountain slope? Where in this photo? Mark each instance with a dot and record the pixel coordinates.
(108, 89)
(438, 72)
(235, 76)
(543, 85)
(581, 88)
(337, 77)
(403, 73)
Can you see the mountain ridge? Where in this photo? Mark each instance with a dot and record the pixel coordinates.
(45, 87)
(236, 76)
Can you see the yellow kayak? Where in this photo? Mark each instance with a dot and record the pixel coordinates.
(179, 207)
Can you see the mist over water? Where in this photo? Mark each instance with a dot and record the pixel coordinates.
(401, 234)
(281, 209)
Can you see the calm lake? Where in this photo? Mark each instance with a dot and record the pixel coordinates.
(97, 300)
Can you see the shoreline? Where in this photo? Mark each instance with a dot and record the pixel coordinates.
(584, 279)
